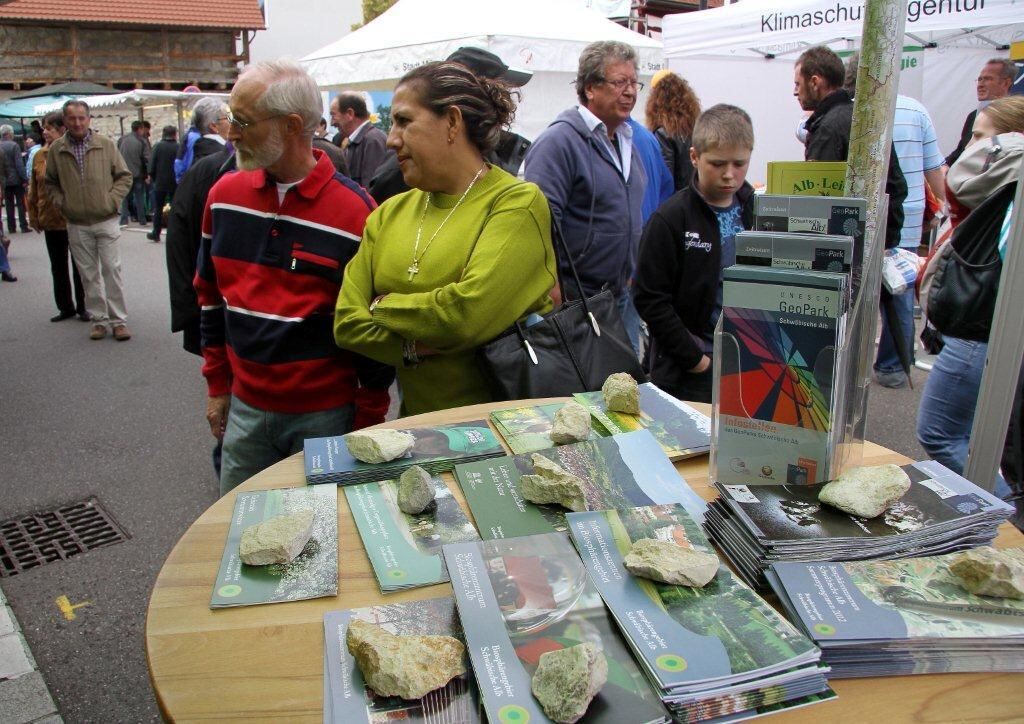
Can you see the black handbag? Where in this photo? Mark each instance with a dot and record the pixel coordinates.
(572, 349)
(962, 296)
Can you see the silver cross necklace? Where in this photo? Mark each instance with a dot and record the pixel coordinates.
(414, 268)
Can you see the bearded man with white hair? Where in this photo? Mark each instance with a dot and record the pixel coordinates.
(277, 235)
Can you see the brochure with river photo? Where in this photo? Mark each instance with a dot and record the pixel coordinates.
(405, 550)
(621, 471)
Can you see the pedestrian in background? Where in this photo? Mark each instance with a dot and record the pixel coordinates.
(672, 109)
(15, 178)
(135, 151)
(161, 171)
(45, 217)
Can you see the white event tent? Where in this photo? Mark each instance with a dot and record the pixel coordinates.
(542, 36)
(139, 100)
(744, 53)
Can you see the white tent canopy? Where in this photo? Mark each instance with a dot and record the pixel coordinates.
(139, 100)
(542, 36)
(728, 57)
(757, 28)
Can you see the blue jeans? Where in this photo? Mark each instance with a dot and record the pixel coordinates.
(255, 439)
(138, 195)
(888, 360)
(5, 266)
(630, 318)
(946, 415)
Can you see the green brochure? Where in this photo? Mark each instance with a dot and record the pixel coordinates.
(314, 573)
(405, 550)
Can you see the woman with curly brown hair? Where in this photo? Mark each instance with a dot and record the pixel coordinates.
(672, 109)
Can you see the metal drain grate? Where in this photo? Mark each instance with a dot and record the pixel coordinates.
(36, 539)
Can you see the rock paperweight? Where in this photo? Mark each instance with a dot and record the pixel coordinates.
(866, 492)
(406, 666)
(664, 561)
(572, 424)
(989, 572)
(551, 483)
(621, 393)
(567, 680)
(276, 540)
(415, 490)
(379, 446)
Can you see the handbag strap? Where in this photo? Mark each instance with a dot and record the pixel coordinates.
(563, 248)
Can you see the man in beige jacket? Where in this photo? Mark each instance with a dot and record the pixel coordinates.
(87, 179)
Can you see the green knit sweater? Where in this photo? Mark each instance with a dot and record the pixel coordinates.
(491, 265)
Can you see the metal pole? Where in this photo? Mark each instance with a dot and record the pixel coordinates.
(1003, 364)
(867, 167)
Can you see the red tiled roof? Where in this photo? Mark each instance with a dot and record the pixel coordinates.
(233, 14)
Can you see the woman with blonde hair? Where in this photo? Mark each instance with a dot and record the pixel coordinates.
(672, 109)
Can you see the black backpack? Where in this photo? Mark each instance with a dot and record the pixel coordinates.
(962, 297)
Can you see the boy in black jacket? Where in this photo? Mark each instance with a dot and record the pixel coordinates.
(685, 246)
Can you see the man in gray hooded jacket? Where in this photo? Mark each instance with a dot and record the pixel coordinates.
(593, 177)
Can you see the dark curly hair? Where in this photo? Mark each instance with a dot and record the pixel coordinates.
(487, 105)
(672, 105)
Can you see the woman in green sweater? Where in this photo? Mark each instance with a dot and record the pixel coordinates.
(451, 264)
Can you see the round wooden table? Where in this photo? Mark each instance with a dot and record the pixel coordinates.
(266, 662)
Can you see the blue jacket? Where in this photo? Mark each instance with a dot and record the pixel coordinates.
(659, 181)
(597, 210)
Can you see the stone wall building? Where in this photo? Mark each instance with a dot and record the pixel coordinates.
(152, 44)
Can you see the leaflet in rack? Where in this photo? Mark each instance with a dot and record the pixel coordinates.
(911, 616)
(819, 252)
(437, 449)
(619, 471)
(703, 648)
(778, 364)
(521, 597)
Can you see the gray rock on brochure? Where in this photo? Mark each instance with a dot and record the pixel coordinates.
(567, 680)
(415, 490)
(667, 562)
(622, 393)
(571, 424)
(866, 491)
(378, 446)
(406, 666)
(551, 483)
(989, 572)
(276, 540)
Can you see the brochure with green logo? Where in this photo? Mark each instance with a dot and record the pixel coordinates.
(405, 550)
(687, 637)
(520, 598)
(347, 698)
(437, 449)
(528, 429)
(314, 573)
(682, 431)
(620, 471)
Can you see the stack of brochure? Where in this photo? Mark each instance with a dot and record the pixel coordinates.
(521, 597)
(711, 652)
(911, 616)
(942, 512)
(780, 375)
(620, 471)
(437, 449)
(347, 699)
(681, 430)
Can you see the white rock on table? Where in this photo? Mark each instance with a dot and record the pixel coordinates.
(379, 446)
(989, 572)
(415, 490)
(867, 491)
(553, 484)
(621, 393)
(406, 666)
(276, 540)
(572, 424)
(667, 562)
(567, 680)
